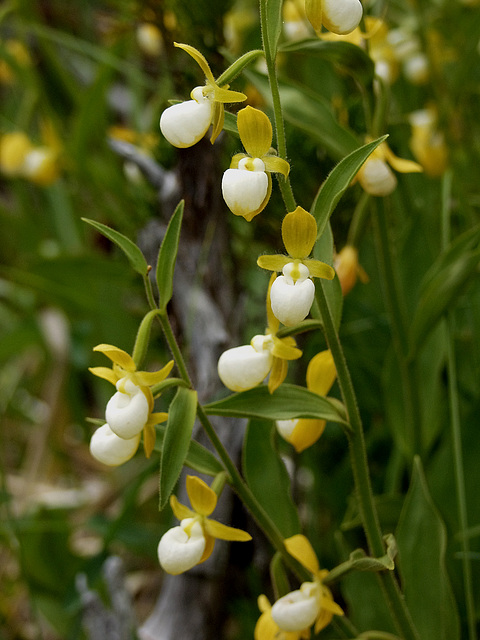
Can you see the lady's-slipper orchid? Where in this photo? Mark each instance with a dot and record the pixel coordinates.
(129, 411)
(338, 16)
(292, 293)
(428, 143)
(191, 543)
(243, 368)
(267, 629)
(303, 432)
(348, 268)
(295, 25)
(247, 184)
(184, 124)
(375, 174)
(110, 449)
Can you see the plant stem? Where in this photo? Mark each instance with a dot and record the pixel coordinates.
(358, 455)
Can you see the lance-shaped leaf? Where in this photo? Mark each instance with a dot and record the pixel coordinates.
(421, 539)
(267, 477)
(359, 561)
(129, 248)
(238, 66)
(167, 257)
(198, 457)
(337, 182)
(274, 25)
(287, 402)
(176, 443)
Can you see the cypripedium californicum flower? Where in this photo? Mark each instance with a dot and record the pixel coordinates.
(129, 411)
(247, 184)
(375, 174)
(348, 268)
(338, 16)
(303, 432)
(149, 39)
(184, 124)
(291, 616)
(245, 367)
(428, 143)
(191, 543)
(292, 293)
(21, 159)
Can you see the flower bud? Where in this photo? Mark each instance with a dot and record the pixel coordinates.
(377, 178)
(298, 609)
(179, 551)
(245, 367)
(107, 447)
(291, 295)
(127, 410)
(341, 16)
(244, 189)
(184, 124)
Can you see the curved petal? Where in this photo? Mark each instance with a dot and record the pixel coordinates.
(243, 368)
(106, 373)
(305, 433)
(319, 269)
(227, 96)
(210, 543)
(300, 548)
(118, 356)
(149, 437)
(400, 164)
(185, 123)
(321, 373)
(202, 498)
(245, 192)
(283, 348)
(255, 131)
(275, 164)
(178, 551)
(149, 378)
(266, 628)
(180, 511)
(127, 413)
(291, 302)
(299, 233)
(278, 374)
(273, 322)
(199, 59)
(224, 532)
(298, 609)
(218, 118)
(273, 263)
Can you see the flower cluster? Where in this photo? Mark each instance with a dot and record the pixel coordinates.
(129, 412)
(292, 615)
(192, 542)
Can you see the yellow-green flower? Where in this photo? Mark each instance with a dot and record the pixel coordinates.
(247, 184)
(129, 411)
(184, 124)
(292, 293)
(303, 432)
(191, 543)
(245, 367)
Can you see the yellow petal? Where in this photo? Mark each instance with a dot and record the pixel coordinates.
(319, 269)
(157, 418)
(218, 118)
(299, 233)
(278, 373)
(236, 159)
(275, 164)
(300, 548)
(273, 263)
(223, 532)
(199, 59)
(273, 321)
(106, 373)
(180, 510)
(400, 164)
(285, 348)
(255, 131)
(202, 498)
(149, 436)
(266, 628)
(209, 544)
(149, 378)
(118, 356)
(313, 9)
(263, 603)
(321, 373)
(306, 432)
(225, 95)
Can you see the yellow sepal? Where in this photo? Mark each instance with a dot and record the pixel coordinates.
(300, 548)
(106, 373)
(286, 348)
(278, 373)
(313, 10)
(225, 95)
(202, 498)
(321, 373)
(275, 164)
(180, 511)
(117, 356)
(209, 544)
(199, 59)
(149, 378)
(149, 436)
(400, 164)
(299, 233)
(255, 130)
(273, 263)
(306, 432)
(224, 532)
(157, 418)
(319, 269)
(273, 321)
(218, 118)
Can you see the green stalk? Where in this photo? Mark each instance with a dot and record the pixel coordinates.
(364, 493)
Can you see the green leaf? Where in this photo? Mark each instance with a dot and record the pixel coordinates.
(278, 576)
(129, 248)
(167, 257)
(443, 284)
(323, 250)
(238, 66)
(351, 58)
(338, 181)
(288, 401)
(267, 477)
(359, 561)
(176, 443)
(274, 24)
(198, 457)
(421, 539)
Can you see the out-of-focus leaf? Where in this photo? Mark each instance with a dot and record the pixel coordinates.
(338, 181)
(167, 257)
(267, 477)
(323, 250)
(442, 285)
(421, 539)
(351, 58)
(198, 457)
(176, 443)
(129, 248)
(288, 401)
